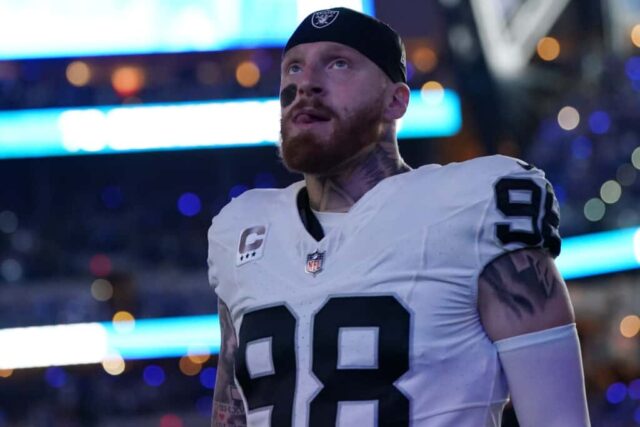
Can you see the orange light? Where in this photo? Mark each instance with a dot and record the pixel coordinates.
(6, 373)
(630, 326)
(548, 48)
(128, 80)
(124, 322)
(432, 92)
(425, 59)
(247, 74)
(635, 35)
(189, 367)
(78, 73)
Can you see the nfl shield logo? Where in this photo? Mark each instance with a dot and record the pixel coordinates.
(324, 18)
(314, 263)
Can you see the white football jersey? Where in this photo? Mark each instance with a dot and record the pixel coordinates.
(377, 323)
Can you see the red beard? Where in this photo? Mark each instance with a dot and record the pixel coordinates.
(307, 152)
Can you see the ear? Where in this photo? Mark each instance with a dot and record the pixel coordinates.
(398, 101)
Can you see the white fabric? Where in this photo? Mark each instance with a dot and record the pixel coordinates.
(329, 220)
(545, 377)
(421, 237)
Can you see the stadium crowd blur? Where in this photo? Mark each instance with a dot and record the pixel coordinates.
(82, 238)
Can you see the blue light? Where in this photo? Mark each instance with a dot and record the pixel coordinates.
(600, 253)
(632, 67)
(153, 375)
(237, 190)
(181, 126)
(204, 405)
(208, 378)
(636, 415)
(112, 197)
(264, 180)
(189, 204)
(561, 193)
(616, 393)
(634, 389)
(56, 377)
(599, 122)
(146, 26)
(165, 337)
(581, 147)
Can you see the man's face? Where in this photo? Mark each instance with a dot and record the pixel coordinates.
(332, 101)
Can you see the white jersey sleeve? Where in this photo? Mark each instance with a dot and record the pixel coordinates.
(521, 211)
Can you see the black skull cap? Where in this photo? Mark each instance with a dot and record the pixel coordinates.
(366, 34)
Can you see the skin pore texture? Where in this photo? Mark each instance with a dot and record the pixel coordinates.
(338, 123)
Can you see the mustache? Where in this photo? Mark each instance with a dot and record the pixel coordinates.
(313, 103)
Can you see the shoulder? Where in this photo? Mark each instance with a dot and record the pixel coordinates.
(250, 207)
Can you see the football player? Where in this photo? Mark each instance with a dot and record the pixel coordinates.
(371, 294)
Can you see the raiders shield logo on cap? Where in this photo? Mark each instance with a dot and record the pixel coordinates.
(324, 18)
(314, 263)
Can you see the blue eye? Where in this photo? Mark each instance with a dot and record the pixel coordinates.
(294, 68)
(340, 64)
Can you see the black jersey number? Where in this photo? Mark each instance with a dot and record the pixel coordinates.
(547, 236)
(375, 383)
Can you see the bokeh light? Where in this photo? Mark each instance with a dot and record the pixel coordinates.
(424, 59)
(634, 389)
(635, 35)
(237, 190)
(208, 378)
(568, 118)
(128, 80)
(189, 204)
(55, 376)
(6, 373)
(594, 210)
(635, 158)
(153, 375)
(78, 73)
(247, 74)
(8, 222)
(610, 192)
(630, 326)
(199, 354)
(432, 92)
(632, 68)
(171, 420)
(101, 290)
(208, 73)
(599, 122)
(636, 415)
(264, 180)
(581, 147)
(11, 270)
(626, 174)
(124, 322)
(616, 393)
(548, 48)
(114, 365)
(188, 367)
(100, 265)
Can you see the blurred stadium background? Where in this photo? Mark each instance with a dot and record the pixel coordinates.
(125, 126)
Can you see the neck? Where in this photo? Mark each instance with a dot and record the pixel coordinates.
(338, 190)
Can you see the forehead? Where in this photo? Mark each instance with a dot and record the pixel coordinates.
(307, 50)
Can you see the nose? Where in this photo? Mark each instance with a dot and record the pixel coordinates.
(311, 83)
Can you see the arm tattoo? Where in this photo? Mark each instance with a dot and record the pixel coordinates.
(523, 281)
(228, 408)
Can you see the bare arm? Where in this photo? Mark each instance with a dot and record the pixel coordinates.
(228, 408)
(522, 292)
(525, 309)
